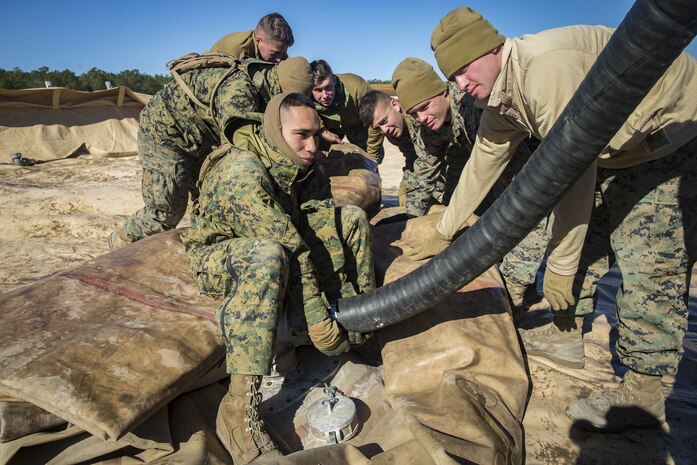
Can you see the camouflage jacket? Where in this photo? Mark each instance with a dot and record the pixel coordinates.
(260, 193)
(342, 114)
(177, 123)
(440, 155)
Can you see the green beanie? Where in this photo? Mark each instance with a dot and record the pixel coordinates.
(414, 80)
(462, 37)
(295, 75)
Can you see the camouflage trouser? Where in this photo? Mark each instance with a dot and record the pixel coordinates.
(252, 276)
(523, 261)
(647, 223)
(168, 179)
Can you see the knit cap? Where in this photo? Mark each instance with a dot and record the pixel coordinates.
(415, 81)
(461, 37)
(295, 75)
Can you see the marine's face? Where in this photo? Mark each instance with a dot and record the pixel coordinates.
(477, 78)
(434, 112)
(300, 128)
(323, 92)
(388, 118)
(270, 50)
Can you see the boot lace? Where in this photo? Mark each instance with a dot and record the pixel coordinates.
(255, 425)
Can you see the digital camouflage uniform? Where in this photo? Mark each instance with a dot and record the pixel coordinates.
(264, 236)
(175, 135)
(645, 220)
(342, 118)
(440, 155)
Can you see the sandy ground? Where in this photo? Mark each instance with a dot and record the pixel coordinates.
(56, 214)
(59, 213)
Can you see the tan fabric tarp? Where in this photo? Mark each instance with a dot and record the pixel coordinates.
(46, 124)
(110, 340)
(114, 343)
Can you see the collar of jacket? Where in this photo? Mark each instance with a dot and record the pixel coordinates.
(502, 92)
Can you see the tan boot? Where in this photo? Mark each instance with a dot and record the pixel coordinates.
(238, 425)
(563, 346)
(636, 403)
(516, 292)
(118, 239)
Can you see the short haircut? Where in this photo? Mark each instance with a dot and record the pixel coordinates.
(320, 71)
(275, 27)
(366, 107)
(293, 100)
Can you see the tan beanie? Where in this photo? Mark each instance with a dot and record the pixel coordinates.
(462, 37)
(295, 75)
(414, 80)
(271, 125)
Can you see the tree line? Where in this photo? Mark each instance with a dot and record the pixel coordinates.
(94, 79)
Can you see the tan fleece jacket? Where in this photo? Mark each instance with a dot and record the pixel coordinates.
(539, 75)
(238, 44)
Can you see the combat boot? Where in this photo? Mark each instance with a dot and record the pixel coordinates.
(238, 425)
(636, 403)
(563, 346)
(516, 291)
(118, 239)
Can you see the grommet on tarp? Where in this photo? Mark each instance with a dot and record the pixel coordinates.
(18, 159)
(333, 418)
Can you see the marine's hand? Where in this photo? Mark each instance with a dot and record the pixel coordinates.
(428, 247)
(557, 289)
(330, 136)
(358, 339)
(327, 337)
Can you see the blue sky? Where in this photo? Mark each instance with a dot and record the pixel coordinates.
(363, 37)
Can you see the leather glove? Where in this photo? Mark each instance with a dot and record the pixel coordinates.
(428, 247)
(557, 289)
(358, 339)
(328, 338)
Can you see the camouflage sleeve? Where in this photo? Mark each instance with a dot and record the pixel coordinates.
(466, 116)
(421, 182)
(255, 212)
(237, 99)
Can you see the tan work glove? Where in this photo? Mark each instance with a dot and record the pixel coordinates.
(557, 289)
(327, 337)
(428, 247)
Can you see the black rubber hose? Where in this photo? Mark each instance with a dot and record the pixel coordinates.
(648, 40)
